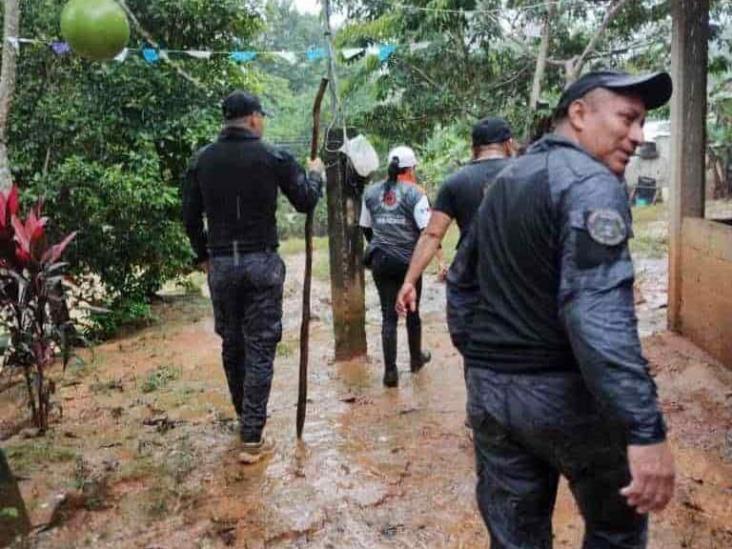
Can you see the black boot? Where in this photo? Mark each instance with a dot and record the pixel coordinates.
(416, 365)
(417, 357)
(389, 345)
(391, 376)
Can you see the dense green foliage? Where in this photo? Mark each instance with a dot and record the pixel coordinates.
(469, 64)
(107, 143)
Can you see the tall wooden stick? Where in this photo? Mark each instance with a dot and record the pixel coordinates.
(302, 392)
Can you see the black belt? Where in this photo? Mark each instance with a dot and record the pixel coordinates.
(229, 252)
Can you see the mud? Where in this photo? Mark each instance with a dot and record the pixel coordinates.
(145, 454)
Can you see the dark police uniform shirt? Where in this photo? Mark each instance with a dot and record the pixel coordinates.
(461, 193)
(234, 182)
(556, 281)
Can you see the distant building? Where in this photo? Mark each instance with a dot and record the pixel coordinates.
(652, 160)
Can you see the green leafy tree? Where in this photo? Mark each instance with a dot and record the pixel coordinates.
(475, 58)
(107, 143)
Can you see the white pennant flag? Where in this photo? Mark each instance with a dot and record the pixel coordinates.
(350, 53)
(13, 41)
(121, 56)
(416, 46)
(289, 56)
(199, 54)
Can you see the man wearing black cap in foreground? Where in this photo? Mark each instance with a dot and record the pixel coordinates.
(234, 183)
(557, 383)
(458, 199)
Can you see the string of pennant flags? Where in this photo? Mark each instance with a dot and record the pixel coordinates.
(154, 55)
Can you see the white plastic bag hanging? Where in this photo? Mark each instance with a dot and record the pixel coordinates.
(362, 155)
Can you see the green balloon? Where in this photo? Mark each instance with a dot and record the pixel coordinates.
(95, 29)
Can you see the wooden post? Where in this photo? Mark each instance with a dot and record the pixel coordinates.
(13, 515)
(689, 59)
(345, 243)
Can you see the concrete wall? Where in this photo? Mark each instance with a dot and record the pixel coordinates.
(706, 286)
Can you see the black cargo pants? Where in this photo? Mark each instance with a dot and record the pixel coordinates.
(529, 429)
(246, 292)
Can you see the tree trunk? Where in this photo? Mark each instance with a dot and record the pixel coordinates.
(542, 56)
(345, 243)
(7, 85)
(13, 515)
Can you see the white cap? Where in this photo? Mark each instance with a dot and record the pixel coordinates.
(406, 156)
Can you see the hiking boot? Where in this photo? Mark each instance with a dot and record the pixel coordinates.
(252, 452)
(391, 377)
(424, 358)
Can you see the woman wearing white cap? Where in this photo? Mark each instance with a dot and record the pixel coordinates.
(393, 214)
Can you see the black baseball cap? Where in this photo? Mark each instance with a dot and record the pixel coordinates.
(240, 104)
(491, 130)
(654, 89)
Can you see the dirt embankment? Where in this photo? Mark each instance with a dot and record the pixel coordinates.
(145, 455)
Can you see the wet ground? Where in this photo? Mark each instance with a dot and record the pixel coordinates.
(145, 453)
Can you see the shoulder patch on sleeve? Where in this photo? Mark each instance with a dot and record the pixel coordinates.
(606, 227)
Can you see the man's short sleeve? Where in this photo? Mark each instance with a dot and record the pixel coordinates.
(445, 201)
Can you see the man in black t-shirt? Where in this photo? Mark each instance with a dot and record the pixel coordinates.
(458, 199)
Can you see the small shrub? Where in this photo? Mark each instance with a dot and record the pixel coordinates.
(128, 312)
(31, 298)
(157, 379)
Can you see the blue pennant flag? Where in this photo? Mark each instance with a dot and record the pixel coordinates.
(60, 48)
(314, 53)
(385, 51)
(151, 55)
(242, 56)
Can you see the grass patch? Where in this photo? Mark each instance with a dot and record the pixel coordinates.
(649, 214)
(32, 455)
(106, 387)
(297, 245)
(159, 378)
(286, 349)
(650, 233)
(649, 246)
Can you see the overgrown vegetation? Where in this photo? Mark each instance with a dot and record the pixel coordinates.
(107, 144)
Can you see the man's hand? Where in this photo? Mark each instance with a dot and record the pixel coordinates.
(406, 301)
(317, 166)
(652, 472)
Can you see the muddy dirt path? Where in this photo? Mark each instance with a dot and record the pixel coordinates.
(145, 455)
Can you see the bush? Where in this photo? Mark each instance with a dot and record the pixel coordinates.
(129, 234)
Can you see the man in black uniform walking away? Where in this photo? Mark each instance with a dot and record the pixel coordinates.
(557, 383)
(458, 199)
(234, 183)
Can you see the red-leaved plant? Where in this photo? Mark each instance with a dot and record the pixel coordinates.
(31, 276)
